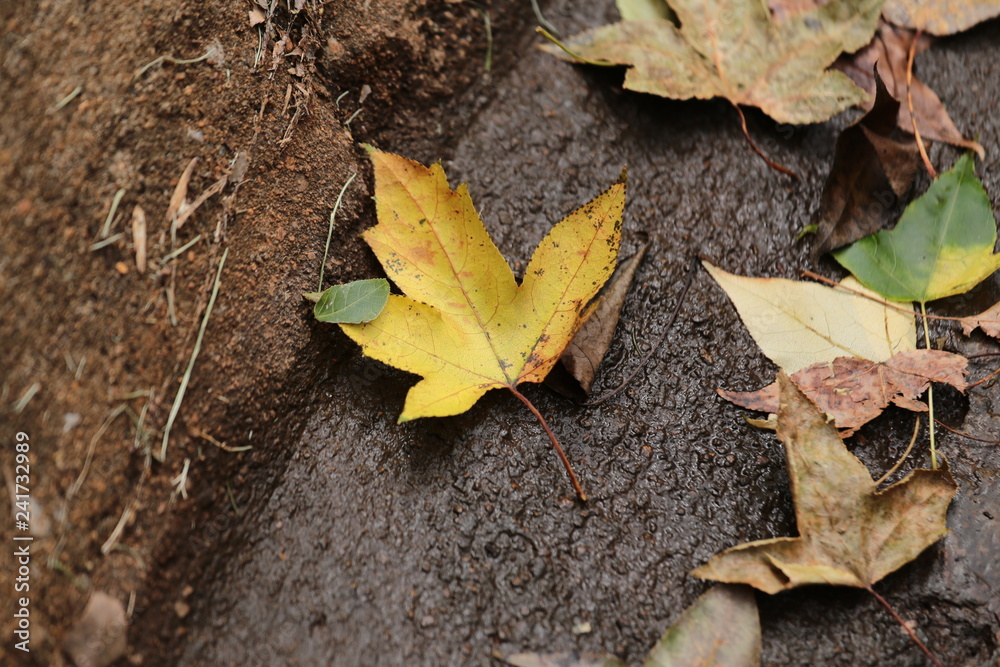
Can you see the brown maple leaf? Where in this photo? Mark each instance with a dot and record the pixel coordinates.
(890, 49)
(850, 534)
(853, 391)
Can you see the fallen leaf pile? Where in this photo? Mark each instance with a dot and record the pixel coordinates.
(845, 352)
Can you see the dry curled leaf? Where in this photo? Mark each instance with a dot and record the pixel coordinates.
(850, 533)
(873, 167)
(583, 356)
(890, 50)
(988, 321)
(854, 391)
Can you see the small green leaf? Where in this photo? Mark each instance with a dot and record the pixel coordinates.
(353, 303)
(943, 244)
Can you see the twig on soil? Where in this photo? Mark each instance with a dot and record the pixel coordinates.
(90, 450)
(194, 355)
(656, 345)
(909, 631)
(106, 242)
(180, 251)
(176, 61)
(756, 149)
(180, 482)
(61, 104)
(117, 532)
(329, 233)
(966, 435)
(906, 454)
(22, 402)
(111, 213)
(913, 116)
(985, 379)
(198, 433)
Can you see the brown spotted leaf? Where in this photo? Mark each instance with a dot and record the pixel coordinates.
(854, 391)
(890, 49)
(850, 534)
(988, 321)
(873, 167)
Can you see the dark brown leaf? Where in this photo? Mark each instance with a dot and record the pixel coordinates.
(574, 375)
(890, 49)
(854, 391)
(873, 168)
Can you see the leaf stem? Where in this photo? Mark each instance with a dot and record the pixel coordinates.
(930, 389)
(913, 117)
(966, 435)
(555, 443)
(913, 636)
(806, 273)
(770, 163)
(906, 454)
(576, 56)
(329, 233)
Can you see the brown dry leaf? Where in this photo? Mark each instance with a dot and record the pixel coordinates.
(890, 49)
(988, 321)
(854, 391)
(850, 534)
(734, 49)
(873, 167)
(180, 192)
(139, 237)
(256, 16)
(574, 375)
(940, 17)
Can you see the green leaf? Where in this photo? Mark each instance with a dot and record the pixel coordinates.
(943, 244)
(353, 303)
(721, 628)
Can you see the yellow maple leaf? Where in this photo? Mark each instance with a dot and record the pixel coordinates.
(464, 324)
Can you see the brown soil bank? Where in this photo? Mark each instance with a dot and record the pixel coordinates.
(340, 537)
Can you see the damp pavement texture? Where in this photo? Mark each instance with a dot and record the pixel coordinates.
(443, 541)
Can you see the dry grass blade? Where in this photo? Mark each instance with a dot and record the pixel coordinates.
(175, 408)
(180, 194)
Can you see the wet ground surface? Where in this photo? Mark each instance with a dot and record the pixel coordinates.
(443, 540)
